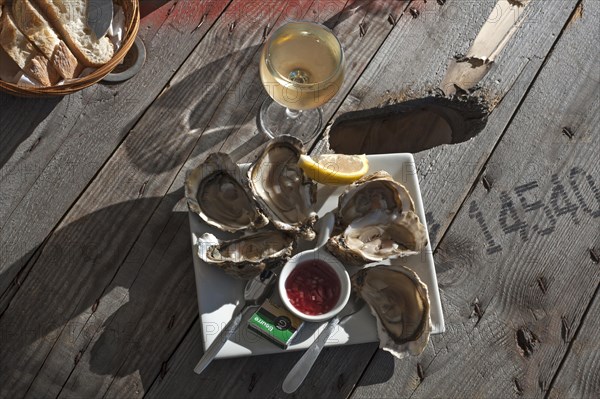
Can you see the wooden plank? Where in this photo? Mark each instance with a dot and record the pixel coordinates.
(66, 322)
(250, 377)
(64, 351)
(510, 265)
(122, 385)
(371, 90)
(579, 376)
(55, 147)
(362, 28)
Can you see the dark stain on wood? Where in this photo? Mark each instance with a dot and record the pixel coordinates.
(95, 305)
(35, 144)
(565, 329)
(486, 183)
(391, 19)
(172, 8)
(517, 3)
(420, 372)
(164, 369)
(434, 226)
(543, 284)
(363, 29)
(543, 385)
(568, 132)
(340, 382)
(77, 357)
(266, 31)
(594, 255)
(518, 388)
(476, 310)
(253, 379)
(17, 279)
(414, 12)
(142, 189)
(527, 341)
(171, 322)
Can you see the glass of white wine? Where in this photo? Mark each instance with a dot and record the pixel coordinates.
(301, 67)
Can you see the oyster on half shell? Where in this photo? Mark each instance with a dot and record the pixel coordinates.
(377, 236)
(218, 192)
(376, 191)
(399, 301)
(282, 189)
(247, 256)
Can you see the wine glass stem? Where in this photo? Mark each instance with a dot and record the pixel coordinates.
(292, 113)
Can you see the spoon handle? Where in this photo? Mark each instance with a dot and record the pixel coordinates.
(302, 367)
(220, 341)
(326, 226)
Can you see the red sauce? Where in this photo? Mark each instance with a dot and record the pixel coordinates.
(313, 287)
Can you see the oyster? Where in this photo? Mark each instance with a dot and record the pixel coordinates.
(218, 192)
(284, 193)
(399, 301)
(247, 256)
(379, 235)
(376, 191)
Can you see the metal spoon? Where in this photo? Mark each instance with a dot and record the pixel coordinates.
(255, 293)
(301, 369)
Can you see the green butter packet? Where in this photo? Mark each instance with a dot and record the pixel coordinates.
(275, 324)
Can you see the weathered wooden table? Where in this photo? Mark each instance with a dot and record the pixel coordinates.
(97, 286)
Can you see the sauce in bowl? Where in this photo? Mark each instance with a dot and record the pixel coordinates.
(313, 287)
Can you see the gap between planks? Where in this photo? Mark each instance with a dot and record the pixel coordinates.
(30, 262)
(478, 179)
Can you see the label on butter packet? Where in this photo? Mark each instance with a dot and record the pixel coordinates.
(275, 324)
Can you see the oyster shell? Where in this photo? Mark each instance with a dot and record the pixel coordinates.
(399, 301)
(379, 235)
(218, 192)
(284, 193)
(247, 256)
(376, 191)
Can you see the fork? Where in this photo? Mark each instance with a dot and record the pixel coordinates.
(301, 369)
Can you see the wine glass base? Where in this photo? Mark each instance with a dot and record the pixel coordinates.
(275, 120)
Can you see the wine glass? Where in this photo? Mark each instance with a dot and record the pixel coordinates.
(301, 67)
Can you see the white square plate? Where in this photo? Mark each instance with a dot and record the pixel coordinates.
(218, 293)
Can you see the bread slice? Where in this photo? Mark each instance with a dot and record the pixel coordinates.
(38, 31)
(9, 70)
(69, 18)
(27, 57)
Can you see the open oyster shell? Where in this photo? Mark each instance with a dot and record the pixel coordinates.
(284, 193)
(248, 256)
(376, 191)
(377, 236)
(218, 192)
(399, 301)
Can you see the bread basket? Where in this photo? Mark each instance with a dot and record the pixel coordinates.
(132, 25)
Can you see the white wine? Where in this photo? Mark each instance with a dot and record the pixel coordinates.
(302, 65)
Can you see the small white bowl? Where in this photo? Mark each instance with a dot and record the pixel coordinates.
(321, 254)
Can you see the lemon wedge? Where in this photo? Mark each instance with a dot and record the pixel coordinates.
(334, 168)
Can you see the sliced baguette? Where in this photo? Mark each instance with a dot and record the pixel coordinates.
(9, 70)
(69, 18)
(27, 57)
(37, 29)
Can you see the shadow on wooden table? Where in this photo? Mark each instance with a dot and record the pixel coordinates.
(411, 126)
(182, 122)
(17, 125)
(87, 271)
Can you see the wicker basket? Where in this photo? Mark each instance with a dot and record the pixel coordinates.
(132, 25)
